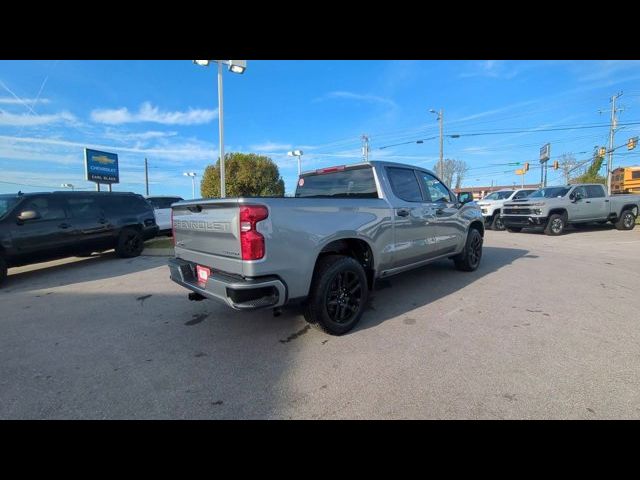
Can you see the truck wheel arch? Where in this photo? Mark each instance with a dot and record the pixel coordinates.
(559, 211)
(478, 225)
(351, 247)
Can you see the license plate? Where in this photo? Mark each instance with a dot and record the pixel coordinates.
(203, 274)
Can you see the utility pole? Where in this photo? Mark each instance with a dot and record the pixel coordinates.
(612, 131)
(440, 117)
(365, 147)
(146, 176)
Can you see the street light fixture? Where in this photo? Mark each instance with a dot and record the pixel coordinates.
(193, 176)
(297, 153)
(67, 185)
(235, 66)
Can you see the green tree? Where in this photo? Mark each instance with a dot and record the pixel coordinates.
(246, 175)
(592, 174)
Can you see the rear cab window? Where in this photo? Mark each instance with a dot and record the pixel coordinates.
(595, 191)
(338, 182)
(404, 184)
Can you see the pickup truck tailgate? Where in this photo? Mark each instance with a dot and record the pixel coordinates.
(207, 232)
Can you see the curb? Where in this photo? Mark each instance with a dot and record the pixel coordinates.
(158, 252)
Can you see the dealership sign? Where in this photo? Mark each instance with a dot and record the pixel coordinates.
(545, 153)
(101, 167)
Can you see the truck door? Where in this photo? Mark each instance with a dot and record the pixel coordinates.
(597, 206)
(449, 227)
(50, 235)
(414, 219)
(578, 208)
(93, 230)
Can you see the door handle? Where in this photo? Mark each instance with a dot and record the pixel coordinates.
(402, 212)
(64, 225)
(587, 201)
(606, 201)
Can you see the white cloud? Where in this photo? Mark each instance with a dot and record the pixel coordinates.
(149, 113)
(271, 147)
(359, 97)
(28, 120)
(178, 152)
(21, 101)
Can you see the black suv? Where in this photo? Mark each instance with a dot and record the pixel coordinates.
(36, 227)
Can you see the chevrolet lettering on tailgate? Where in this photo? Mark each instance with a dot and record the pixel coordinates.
(202, 225)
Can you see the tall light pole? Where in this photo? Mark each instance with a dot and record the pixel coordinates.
(441, 162)
(193, 182)
(612, 131)
(235, 66)
(297, 153)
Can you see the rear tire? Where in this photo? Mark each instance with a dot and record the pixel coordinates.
(627, 220)
(514, 229)
(338, 295)
(3, 270)
(469, 259)
(555, 225)
(497, 223)
(130, 243)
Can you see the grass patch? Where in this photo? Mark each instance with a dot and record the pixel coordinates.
(159, 242)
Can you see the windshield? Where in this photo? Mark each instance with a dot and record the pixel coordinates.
(552, 192)
(6, 203)
(499, 195)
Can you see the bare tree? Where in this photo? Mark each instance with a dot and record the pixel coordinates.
(567, 162)
(453, 169)
(460, 169)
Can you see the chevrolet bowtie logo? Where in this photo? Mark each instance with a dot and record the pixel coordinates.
(103, 159)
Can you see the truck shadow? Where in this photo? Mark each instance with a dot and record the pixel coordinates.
(591, 227)
(408, 291)
(75, 270)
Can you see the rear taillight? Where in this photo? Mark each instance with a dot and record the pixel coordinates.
(173, 230)
(251, 241)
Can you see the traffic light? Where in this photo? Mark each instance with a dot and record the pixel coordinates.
(556, 165)
(526, 167)
(631, 144)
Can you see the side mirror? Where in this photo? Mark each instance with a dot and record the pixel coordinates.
(465, 197)
(28, 215)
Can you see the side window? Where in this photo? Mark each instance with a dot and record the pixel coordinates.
(434, 188)
(155, 202)
(635, 175)
(84, 207)
(521, 194)
(580, 190)
(49, 208)
(404, 184)
(595, 191)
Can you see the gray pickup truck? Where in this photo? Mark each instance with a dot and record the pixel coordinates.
(553, 208)
(346, 227)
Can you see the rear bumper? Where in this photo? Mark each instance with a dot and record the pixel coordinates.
(240, 294)
(523, 221)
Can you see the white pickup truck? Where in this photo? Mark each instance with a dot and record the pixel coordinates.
(492, 204)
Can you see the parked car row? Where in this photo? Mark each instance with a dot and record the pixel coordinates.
(553, 208)
(37, 227)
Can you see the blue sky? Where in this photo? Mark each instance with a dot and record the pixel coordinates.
(167, 111)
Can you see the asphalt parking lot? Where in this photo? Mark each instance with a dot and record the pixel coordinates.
(546, 328)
